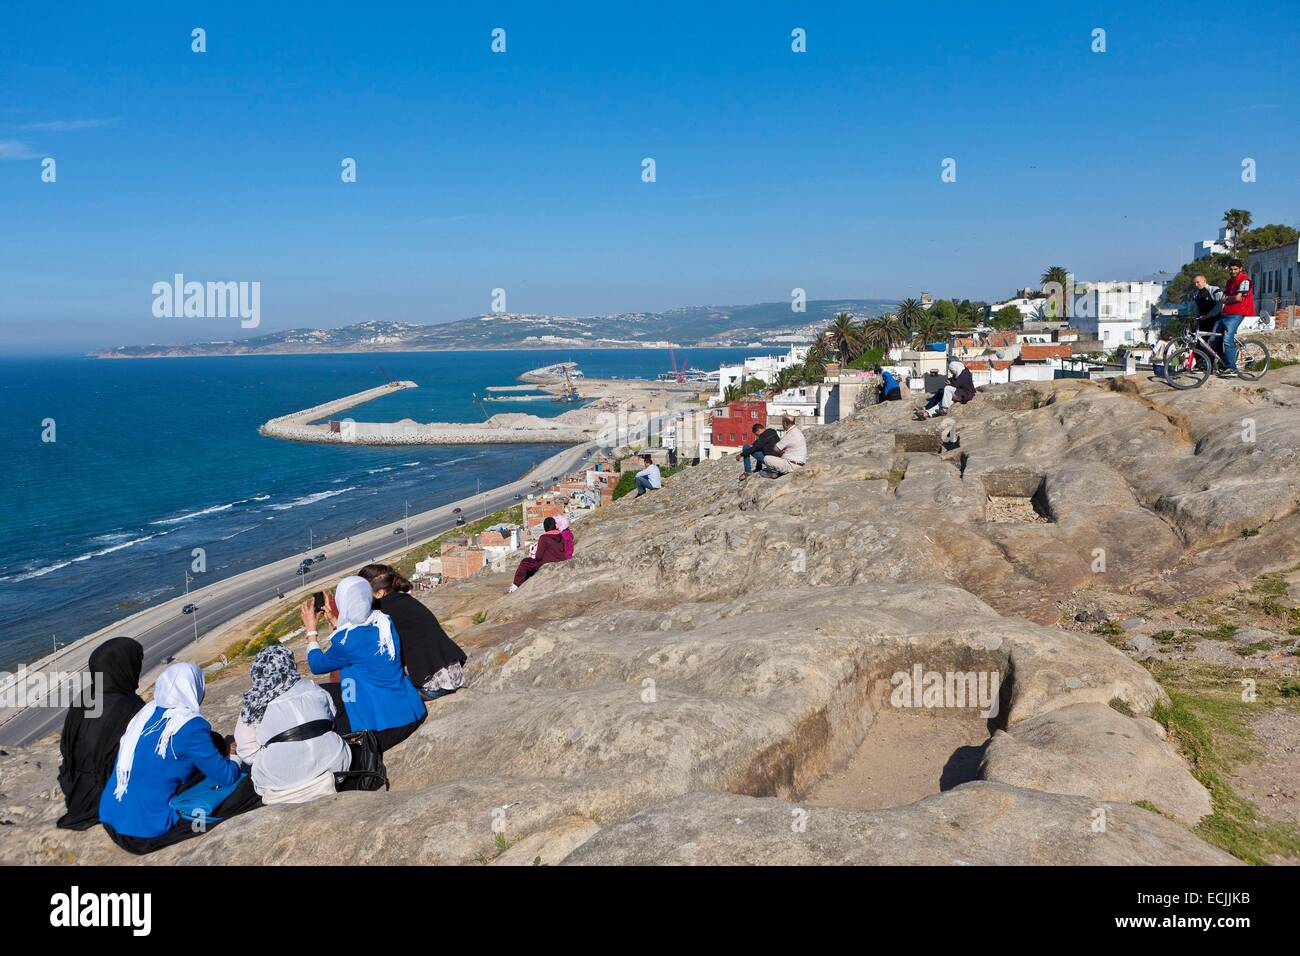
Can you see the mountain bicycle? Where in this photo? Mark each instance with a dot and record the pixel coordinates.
(1191, 359)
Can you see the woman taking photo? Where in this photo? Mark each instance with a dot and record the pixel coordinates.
(364, 649)
(433, 661)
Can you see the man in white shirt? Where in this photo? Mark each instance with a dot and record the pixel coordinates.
(791, 451)
(648, 478)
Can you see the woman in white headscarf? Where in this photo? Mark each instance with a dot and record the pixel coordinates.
(373, 692)
(959, 387)
(167, 747)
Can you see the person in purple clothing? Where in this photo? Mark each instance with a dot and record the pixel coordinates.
(373, 691)
(168, 747)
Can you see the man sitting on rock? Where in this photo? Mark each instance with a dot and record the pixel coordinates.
(790, 453)
(959, 387)
(648, 478)
(764, 444)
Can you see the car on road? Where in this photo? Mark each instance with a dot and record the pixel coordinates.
(398, 530)
(189, 609)
(318, 558)
(168, 659)
(455, 511)
(460, 519)
(519, 497)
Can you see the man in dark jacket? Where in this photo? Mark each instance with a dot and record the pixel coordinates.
(959, 387)
(764, 443)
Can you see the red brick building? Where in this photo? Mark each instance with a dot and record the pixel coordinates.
(537, 510)
(461, 561)
(736, 428)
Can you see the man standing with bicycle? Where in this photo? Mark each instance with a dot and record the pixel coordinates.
(1207, 300)
(1238, 302)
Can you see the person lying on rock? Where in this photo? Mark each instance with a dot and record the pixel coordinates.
(548, 548)
(373, 691)
(167, 748)
(433, 661)
(790, 453)
(959, 387)
(765, 441)
(94, 727)
(286, 732)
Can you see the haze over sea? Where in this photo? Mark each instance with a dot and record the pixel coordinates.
(156, 457)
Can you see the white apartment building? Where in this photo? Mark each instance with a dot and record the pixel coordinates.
(1207, 247)
(1118, 312)
(762, 367)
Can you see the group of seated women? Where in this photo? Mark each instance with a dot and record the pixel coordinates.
(126, 764)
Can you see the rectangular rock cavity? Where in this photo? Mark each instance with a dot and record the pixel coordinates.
(902, 728)
(1016, 496)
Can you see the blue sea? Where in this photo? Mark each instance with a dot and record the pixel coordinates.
(155, 457)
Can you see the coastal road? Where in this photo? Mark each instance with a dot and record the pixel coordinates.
(164, 630)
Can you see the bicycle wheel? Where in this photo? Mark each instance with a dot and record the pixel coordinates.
(1252, 359)
(1187, 366)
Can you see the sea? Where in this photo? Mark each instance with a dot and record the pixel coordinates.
(118, 469)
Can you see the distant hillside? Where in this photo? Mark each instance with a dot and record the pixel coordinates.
(722, 325)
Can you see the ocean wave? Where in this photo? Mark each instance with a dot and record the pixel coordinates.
(456, 461)
(260, 498)
(196, 514)
(49, 568)
(409, 464)
(375, 471)
(311, 499)
(111, 538)
(238, 533)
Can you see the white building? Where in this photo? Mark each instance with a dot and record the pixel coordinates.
(804, 401)
(1207, 247)
(1029, 307)
(1120, 312)
(765, 368)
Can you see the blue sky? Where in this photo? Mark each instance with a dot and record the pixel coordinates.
(522, 170)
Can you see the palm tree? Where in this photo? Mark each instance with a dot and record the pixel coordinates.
(910, 313)
(1238, 220)
(884, 332)
(845, 336)
(1058, 302)
(926, 330)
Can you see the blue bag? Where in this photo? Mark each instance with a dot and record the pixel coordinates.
(200, 801)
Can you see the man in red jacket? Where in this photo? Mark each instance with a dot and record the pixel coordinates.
(1238, 302)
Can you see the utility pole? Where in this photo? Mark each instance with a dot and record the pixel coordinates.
(406, 523)
(195, 615)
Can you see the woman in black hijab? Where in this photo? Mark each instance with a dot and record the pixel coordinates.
(93, 728)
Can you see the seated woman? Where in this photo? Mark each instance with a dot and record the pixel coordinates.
(364, 650)
(279, 700)
(562, 526)
(94, 726)
(545, 550)
(433, 661)
(168, 746)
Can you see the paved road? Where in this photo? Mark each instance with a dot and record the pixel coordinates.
(164, 630)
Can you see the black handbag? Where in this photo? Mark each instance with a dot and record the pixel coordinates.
(367, 771)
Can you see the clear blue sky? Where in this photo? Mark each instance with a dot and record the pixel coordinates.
(522, 170)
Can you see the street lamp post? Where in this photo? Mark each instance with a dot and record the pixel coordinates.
(406, 523)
